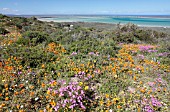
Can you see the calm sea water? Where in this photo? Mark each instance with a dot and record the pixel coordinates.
(141, 21)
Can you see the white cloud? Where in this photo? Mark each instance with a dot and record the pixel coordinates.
(8, 10)
(5, 9)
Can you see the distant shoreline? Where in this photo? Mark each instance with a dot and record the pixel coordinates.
(59, 15)
(41, 19)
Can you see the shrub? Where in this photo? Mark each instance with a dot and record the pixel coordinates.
(3, 31)
(36, 37)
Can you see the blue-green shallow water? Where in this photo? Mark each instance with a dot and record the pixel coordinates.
(142, 21)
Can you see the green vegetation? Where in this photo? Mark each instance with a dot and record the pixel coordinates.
(3, 31)
(47, 66)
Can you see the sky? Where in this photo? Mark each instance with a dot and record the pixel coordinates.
(124, 7)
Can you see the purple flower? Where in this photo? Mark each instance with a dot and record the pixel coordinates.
(56, 108)
(91, 53)
(148, 109)
(163, 54)
(159, 80)
(82, 106)
(152, 51)
(141, 56)
(73, 53)
(61, 94)
(151, 84)
(155, 102)
(147, 48)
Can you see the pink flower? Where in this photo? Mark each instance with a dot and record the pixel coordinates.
(155, 102)
(151, 84)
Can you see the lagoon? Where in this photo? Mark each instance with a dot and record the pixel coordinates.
(154, 21)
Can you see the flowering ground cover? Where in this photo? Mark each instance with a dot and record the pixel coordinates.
(44, 74)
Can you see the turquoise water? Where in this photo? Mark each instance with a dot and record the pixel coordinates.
(141, 21)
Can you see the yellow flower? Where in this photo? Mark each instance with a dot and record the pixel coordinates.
(101, 102)
(107, 95)
(48, 92)
(43, 66)
(115, 100)
(86, 87)
(81, 83)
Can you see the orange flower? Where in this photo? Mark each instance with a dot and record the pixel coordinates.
(42, 66)
(164, 89)
(142, 90)
(16, 93)
(47, 97)
(21, 110)
(3, 104)
(18, 106)
(6, 89)
(53, 94)
(6, 94)
(53, 103)
(0, 64)
(21, 85)
(48, 91)
(42, 85)
(22, 91)
(119, 107)
(134, 78)
(139, 109)
(6, 85)
(109, 103)
(31, 93)
(7, 98)
(31, 87)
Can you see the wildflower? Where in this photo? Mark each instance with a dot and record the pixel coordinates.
(7, 98)
(151, 84)
(86, 88)
(42, 66)
(73, 53)
(49, 91)
(148, 109)
(36, 98)
(42, 85)
(31, 87)
(142, 90)
(115, 100)
(110, 110)
(101, 102)
(56, 108)
(18, 106)
(131, 90)
(155, 102)
(3, 104)
(141, 56)
(21, 110)
(107, 95)
(21, 106)
(6, 85)
(119, 107)
(81, 83)
(53, 103)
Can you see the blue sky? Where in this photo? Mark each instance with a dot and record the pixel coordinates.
(155, 7)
